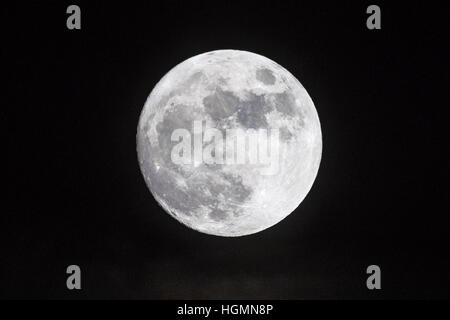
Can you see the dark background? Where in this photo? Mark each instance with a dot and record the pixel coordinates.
(74, 193)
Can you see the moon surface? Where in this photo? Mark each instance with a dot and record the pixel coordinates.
(229, 90)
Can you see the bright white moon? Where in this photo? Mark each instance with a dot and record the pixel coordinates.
(233, 92)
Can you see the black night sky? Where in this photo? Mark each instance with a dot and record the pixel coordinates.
(74, 193)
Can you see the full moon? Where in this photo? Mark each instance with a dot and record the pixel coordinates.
(229, 143)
